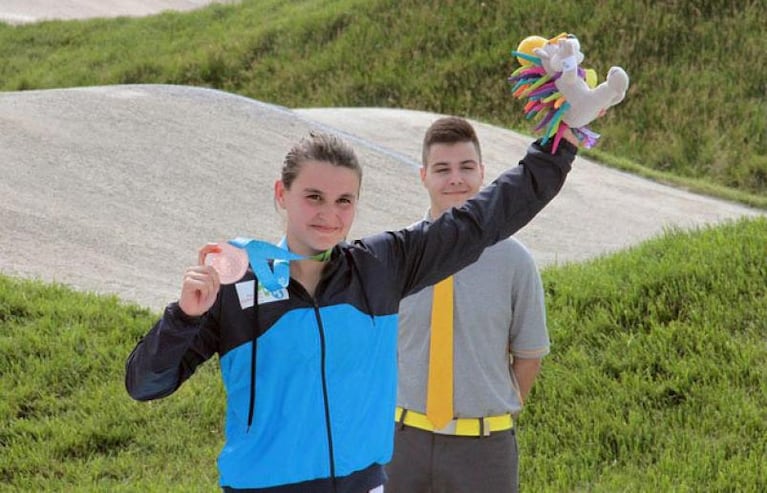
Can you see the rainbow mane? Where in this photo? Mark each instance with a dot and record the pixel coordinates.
(544, 101)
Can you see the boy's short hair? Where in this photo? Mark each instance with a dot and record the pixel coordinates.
(449, 130)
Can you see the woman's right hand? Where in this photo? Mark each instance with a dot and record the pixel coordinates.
(200, 285)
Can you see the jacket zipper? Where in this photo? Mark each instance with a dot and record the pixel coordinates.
(321, 330)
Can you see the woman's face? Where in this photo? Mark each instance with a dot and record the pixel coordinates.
(320, 206)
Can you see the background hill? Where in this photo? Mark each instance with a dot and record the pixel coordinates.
(696, 107)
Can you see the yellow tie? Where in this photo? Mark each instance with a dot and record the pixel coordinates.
(439, 393)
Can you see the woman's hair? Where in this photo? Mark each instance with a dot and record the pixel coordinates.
(318, 146)
(449, 130)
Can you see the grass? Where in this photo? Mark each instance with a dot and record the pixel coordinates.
(655, 382)
(696, 108)
(67, 422)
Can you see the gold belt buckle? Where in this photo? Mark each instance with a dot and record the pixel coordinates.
(486, 427)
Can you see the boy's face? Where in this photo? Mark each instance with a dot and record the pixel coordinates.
(452, 174)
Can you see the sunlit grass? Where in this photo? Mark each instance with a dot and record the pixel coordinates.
(655, 381)
(696, 107)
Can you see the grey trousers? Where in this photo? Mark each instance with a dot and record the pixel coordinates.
(426, 462)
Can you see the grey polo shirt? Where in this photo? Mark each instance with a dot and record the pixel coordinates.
(498, 309)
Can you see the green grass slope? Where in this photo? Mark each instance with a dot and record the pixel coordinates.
(696, 107)
(655, 382)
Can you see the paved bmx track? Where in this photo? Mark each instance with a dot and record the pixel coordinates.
(112, 189)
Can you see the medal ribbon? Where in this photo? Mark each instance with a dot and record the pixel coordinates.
(260, 252)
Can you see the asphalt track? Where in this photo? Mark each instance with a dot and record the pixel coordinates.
(112, 189)
(26, 11)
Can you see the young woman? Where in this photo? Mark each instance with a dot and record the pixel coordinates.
(310, 371)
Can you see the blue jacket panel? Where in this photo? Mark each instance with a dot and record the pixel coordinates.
(289, 412)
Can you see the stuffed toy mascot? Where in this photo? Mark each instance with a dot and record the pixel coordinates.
(559, 91)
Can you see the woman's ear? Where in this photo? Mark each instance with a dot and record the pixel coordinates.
(279, 194)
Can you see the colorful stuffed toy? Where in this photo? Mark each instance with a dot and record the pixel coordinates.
(560, 91)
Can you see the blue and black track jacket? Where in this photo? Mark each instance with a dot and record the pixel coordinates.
(311, 381)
